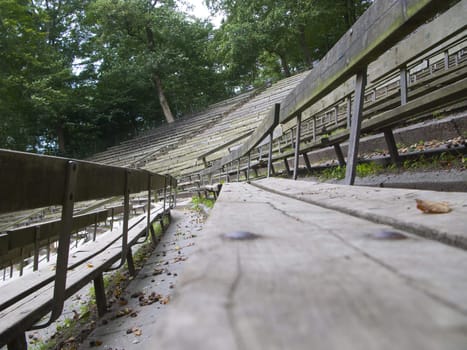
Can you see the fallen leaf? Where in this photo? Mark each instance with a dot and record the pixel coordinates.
(124, 312)
(90, 265)
(180, 258)
(157, 272)
(429, 207)
(136, 331)
(94, 343)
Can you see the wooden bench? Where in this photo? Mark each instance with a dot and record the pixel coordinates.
(313, 266)
(29, 181)
(15, 243)
(354, 55)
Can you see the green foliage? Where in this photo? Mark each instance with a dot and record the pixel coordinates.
(442, 161)
(332, 173)
(260, 40)
(79, 75)
(199, 201)
(363, 170)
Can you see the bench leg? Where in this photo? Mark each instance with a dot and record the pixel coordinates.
(307, 162)
(130, 263)
(287, 167)
(339, 154)
(256, 172)
(392, 147)
(101, 300)
(19, 343)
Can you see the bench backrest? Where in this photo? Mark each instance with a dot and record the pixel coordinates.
(29, 181)
(382, 26)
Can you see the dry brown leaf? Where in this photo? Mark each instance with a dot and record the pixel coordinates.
(95, 343)
(90, 265)
(430, 207)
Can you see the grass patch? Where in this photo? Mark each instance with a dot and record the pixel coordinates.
(363, 170)
(443, 161)
(199, 201)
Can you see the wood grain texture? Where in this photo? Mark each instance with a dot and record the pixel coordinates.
(314, 279)
(29, 181)
(391, 206)
(20, 309)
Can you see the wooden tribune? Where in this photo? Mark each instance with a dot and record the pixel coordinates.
(29, 181)
(382, 26)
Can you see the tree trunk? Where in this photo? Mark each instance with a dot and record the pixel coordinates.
(285, 65)
(305, 49)
(61, 139)
(351, 15)
(162, 100)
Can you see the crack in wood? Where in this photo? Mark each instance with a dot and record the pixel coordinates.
(413, 283)
(230, 305)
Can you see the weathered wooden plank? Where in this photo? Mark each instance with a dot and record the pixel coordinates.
(432, 100)
(29, 309)
(45, 275)
(24, 236)
(312, 279)
(395, 207)
(30, 181)
(423, 40)
(225, 144)
(380, 27)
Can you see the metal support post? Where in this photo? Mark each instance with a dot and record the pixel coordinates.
(348, 113)
(277, 108)
(37, 239)
(339, 154)
(148, 219)
(392, 147)
(270, 156)
(354, 138)
(287, 167)
(297, 146)
(403, 85)
(63, 243)
(248, 167)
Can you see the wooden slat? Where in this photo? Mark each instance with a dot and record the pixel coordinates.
(423, 40)
(32, 295)
(225, 144)
(379, 28)
(313, 279)
(30, 181)
(386, 205)
(25, 237)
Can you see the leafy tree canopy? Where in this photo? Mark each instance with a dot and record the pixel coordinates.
(80, 75)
